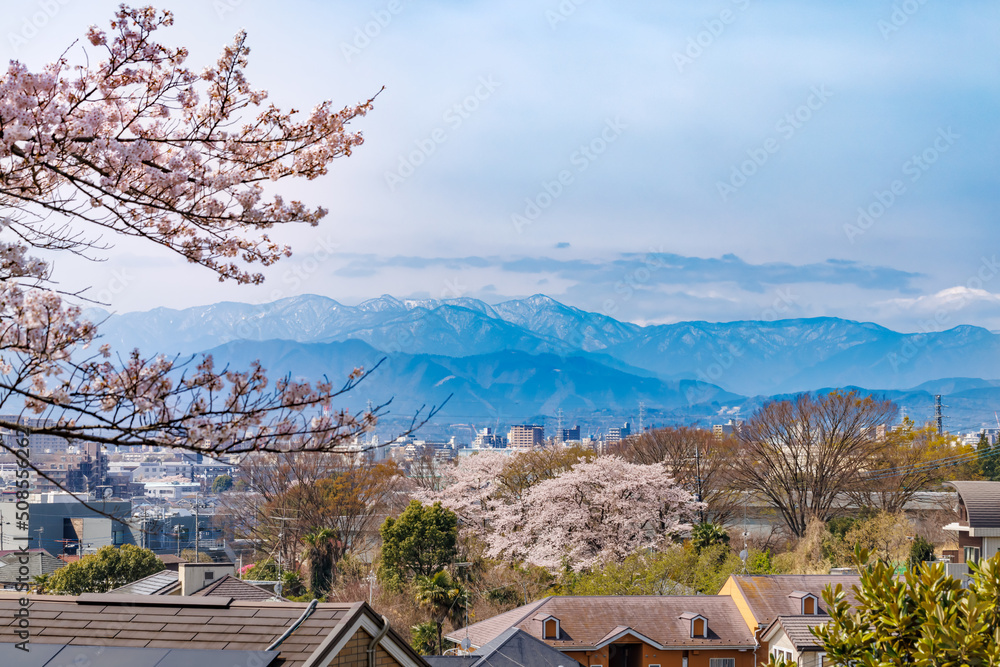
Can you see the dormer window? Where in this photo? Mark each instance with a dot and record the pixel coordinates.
(550, 626)
(808, 603)
(699, 624)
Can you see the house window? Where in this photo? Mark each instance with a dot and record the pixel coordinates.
(698, 627)
(809, 605)
(720, 662)
(782, 654)
(971, 554)
(550, 628)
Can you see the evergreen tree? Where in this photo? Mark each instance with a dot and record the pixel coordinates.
(988, 457)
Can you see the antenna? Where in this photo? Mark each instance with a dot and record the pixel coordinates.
(745, 554)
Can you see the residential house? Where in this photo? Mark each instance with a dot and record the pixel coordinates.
(38, 562)
(171, 631)
(797, 599)
(791, 638)
(978, 524)
(197, 579)
(511, 648)
(630, 631)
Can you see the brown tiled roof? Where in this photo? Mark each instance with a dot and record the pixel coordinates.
(170, 559)
(769, 595)
(237, 589)
(588, 621)
(183, 622)
(982, 502)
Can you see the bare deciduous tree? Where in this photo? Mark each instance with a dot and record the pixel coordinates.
(802, 455)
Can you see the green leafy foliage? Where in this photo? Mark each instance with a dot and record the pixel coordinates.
(109, 568)
(988, 459)
(423, 638)
(420, 542)
(222, 483)
(920, 550)
(443, 597)
(265, 570)
(924, 618)
(319, 550)
(708, 534)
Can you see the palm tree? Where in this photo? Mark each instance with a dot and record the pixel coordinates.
(320, 553)
(705, 535)
(443, 596)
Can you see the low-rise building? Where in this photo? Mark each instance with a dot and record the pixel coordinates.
(630, 631)
(180, 631)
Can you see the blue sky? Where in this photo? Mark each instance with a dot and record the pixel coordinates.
(654, 161)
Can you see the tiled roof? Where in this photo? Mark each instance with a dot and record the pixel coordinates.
(797, 630)
(982, 502)
(159, 583)
(39, 562)
(187, 622)
(769, 595)
(586, 621)
(512, 648)
(237, 589)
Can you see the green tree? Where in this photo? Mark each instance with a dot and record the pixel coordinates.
(708, 534)
(319, 551)
(657, 573)
(443, 597)
(988, 459)
(920, 550)
(924, 618)
(423, 638)
(109, 568)
(265, 570)
(420, 542)
(222, 483)
(189, 556)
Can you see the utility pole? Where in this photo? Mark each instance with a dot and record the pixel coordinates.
(697, 471)
(197, 529)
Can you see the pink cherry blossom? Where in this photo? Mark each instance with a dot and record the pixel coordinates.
(131, 142)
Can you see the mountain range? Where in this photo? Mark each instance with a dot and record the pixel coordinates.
(527, 359)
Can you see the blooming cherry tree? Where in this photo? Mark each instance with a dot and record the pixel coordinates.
(598, 511)
(473, 489)
(134, 143)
